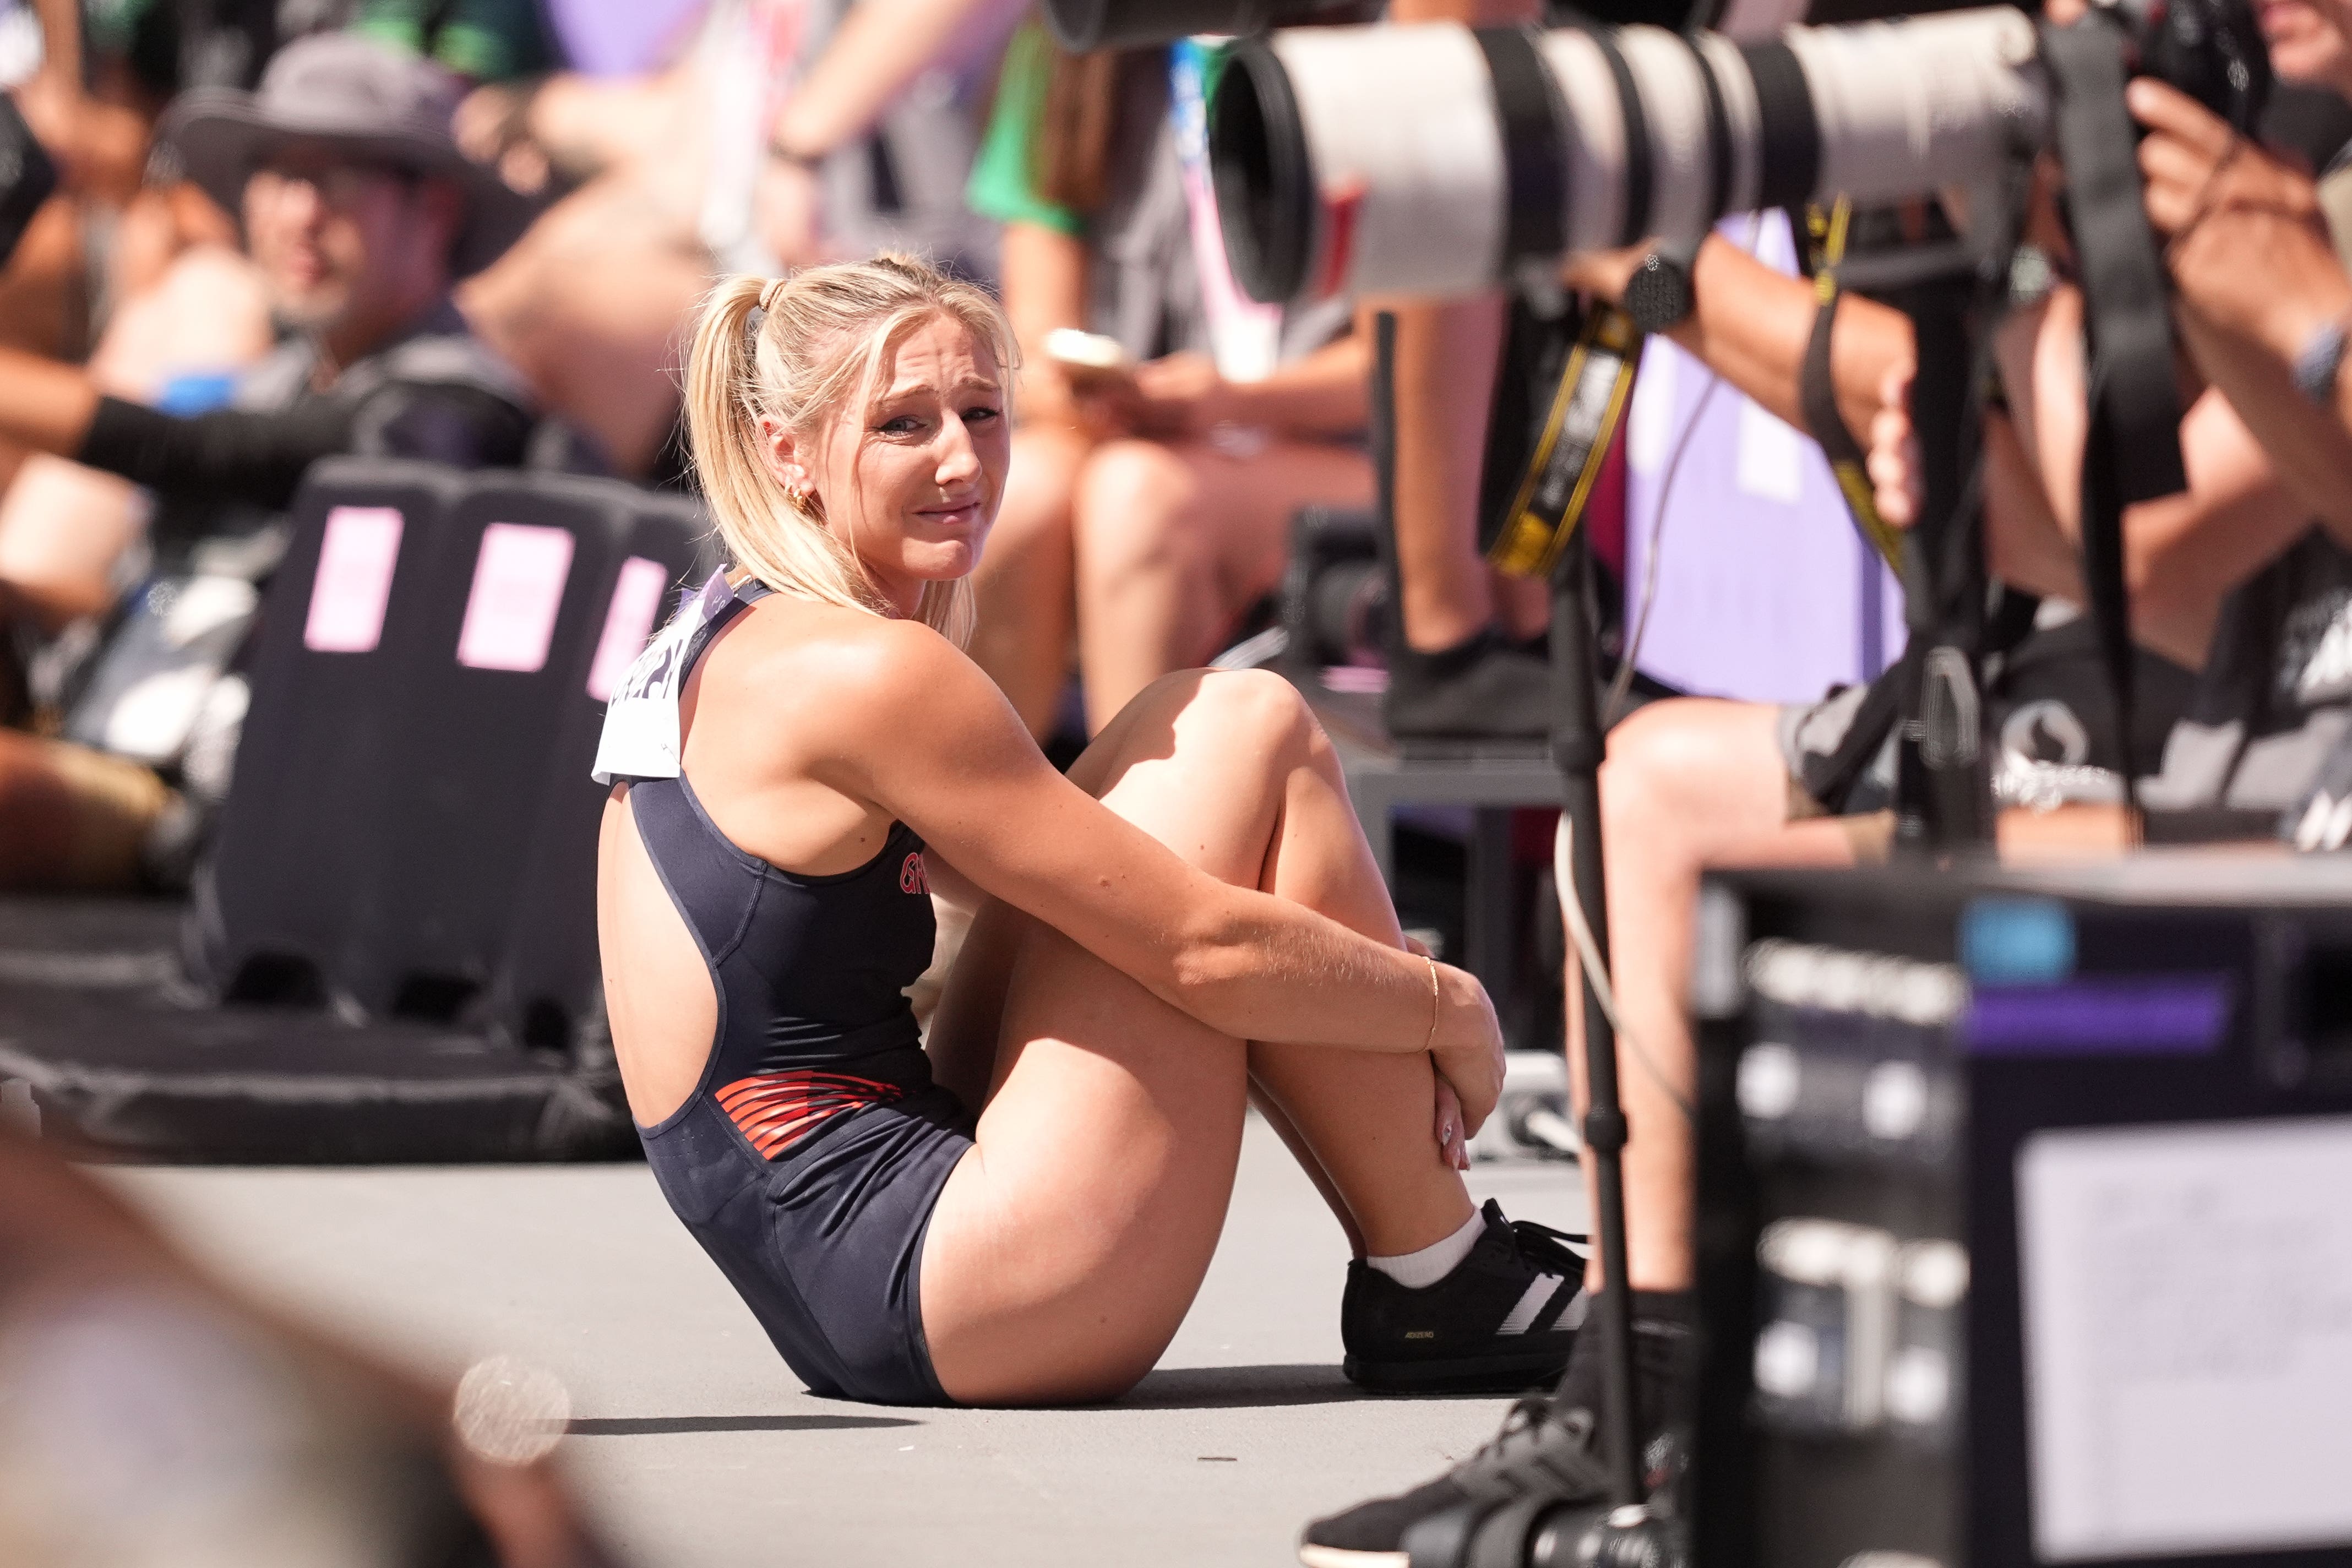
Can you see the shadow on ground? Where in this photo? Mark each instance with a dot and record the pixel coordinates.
(647, 1425)
(1241, 1387)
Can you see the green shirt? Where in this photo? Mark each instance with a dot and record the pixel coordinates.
(1004, 176)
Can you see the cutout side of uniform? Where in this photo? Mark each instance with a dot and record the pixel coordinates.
(546, 990)
(812, 1150)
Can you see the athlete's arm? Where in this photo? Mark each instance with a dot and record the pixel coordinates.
(916, 728)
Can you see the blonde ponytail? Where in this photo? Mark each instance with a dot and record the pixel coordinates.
(803, 351)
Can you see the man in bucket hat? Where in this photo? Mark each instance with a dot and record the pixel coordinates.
(359, 212)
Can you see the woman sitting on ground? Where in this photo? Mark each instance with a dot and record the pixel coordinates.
(1189, 917)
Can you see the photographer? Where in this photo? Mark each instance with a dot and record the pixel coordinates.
(2260, 296)
(2261, 302)
(359, 212)
(1693, 784)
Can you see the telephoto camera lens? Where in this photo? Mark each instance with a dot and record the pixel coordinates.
(1439, 159)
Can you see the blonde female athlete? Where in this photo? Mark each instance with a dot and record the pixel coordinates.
(1023, 1213)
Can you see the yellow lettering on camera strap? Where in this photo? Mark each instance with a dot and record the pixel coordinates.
(1585, 413)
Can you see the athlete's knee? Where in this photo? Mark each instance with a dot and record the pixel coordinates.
(1256, 706)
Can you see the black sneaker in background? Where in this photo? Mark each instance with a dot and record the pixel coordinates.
(1503, 1320)
(1484, 695)
(1666, 1365)
(1538, 1452)
(1546, 1446)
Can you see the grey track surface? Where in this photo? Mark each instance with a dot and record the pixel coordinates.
(692, 1444)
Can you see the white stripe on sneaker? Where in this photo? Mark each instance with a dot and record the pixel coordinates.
(1531, 1304)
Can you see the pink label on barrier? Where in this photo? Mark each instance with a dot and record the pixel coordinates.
(637, 600)
(356, 558)
(518, 588)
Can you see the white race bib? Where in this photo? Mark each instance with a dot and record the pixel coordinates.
(641, 728)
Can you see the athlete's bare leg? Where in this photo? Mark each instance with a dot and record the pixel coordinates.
(1068, 1244)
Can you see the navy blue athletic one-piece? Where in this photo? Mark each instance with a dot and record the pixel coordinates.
(809, 1156)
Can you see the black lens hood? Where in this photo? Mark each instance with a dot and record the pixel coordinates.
(1264, 178)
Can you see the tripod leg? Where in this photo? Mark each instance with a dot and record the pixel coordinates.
(1576, 747)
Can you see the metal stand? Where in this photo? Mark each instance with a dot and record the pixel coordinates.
(1577, 748)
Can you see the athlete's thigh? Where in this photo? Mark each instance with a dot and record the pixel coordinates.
(1066, 1248)
(1068, 1243)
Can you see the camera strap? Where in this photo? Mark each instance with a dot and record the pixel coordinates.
(1816, 387)
(1586, 409)
(2132, 450)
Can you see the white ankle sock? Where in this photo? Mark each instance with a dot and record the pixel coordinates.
(1419, 1270)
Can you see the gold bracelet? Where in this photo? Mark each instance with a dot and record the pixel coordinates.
(1432, 1043)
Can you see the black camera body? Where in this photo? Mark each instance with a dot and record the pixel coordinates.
(2210, 49)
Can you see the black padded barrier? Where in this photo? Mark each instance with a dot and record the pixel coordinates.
(121, 1058)
(546, 992)
(274, 901)
(515, 600)
(393, 941)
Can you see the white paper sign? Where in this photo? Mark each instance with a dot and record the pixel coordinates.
(517, 589)
(2188, 1294)
(641, 728)
(1651, 425)
(1769, 464)
(628, 621)
(356, 558)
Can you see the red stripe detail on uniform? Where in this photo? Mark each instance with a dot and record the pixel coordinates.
(776, 1110)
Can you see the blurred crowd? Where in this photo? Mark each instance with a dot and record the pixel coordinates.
(474, 230)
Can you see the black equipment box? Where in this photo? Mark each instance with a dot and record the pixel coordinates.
(2025, 1215)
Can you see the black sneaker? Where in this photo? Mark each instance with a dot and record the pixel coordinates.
(1545, 1450)
(1483, 695)
(1503, 1320)
(1540, 1452)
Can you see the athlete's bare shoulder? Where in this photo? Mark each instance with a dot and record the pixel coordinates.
(834, 673)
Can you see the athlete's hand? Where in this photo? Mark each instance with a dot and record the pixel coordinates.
(1453, 1138)
(1469, 1052)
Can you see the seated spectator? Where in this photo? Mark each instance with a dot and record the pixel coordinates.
(1149, 509)
(679, 171)
(359, 212)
